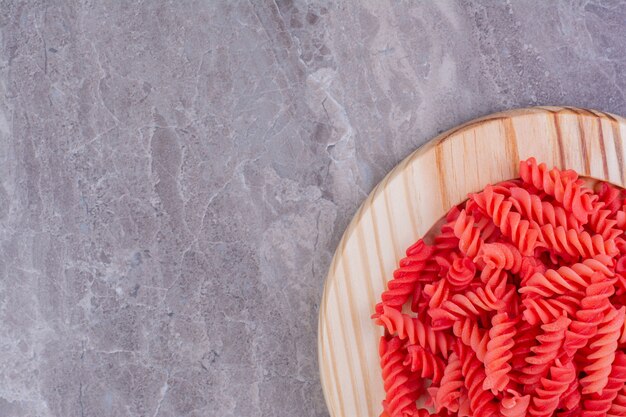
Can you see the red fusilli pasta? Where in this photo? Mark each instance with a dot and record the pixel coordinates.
(549, 347)
(546, 401)
(533, 208)
(470, 333)
(519, 231)
(402, 390)
(448, 394)
(515, 308)
(416, 331)
(542, 310)
(562, 185)
(598, 404)
(424, 363)
(481, 402)
(499, 354)
(602, 349)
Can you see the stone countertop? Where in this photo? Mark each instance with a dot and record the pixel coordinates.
(175, 176)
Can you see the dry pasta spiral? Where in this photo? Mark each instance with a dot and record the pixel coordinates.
(404, 278)
(511, 224)
(422, 361)
(541, 310)
(401, 389)
(468, 235)
(514, 405)
(600, 222)
(533, 208)
(602, 352)
(575, 244)
(587, 319)
(481, 402)
(416, 331)
(548, 395)
(499, 352)
(562, 185)
(470, 333)
(448, 393)
(550, 341)
(470, 304)
(566, 279)
(598, 404)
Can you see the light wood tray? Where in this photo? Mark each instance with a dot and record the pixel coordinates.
(415, 195)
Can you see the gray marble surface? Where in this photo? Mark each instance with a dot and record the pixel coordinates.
(175, 176)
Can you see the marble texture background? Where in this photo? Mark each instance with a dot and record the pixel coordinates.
(175, 176)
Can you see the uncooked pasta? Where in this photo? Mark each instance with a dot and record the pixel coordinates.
(515, 307)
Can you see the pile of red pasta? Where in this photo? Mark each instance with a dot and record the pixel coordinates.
(516, 307)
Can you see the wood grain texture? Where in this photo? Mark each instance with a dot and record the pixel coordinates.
(416, 194)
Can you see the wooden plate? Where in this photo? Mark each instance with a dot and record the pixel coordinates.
(414, 196)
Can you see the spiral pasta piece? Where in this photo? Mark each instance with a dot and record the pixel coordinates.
(495, 281)
(468, 235)
(510, 223)
(446, 241)
(598, 404)
(406, 277)
(481, 402)
(503, 256)
(470, 333)
(470, 304)
(603, 346)
(437, 292)
(533, 208)
(421, 361)
(566, 279)
(561, 185)
(548, 395)
(544, 354)
(449, 391)
(416, 331)
(589, 316)
(600, 222)
(401, 389)
(547, 310)
(574, 244)
(499, 353)
(525, 339)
